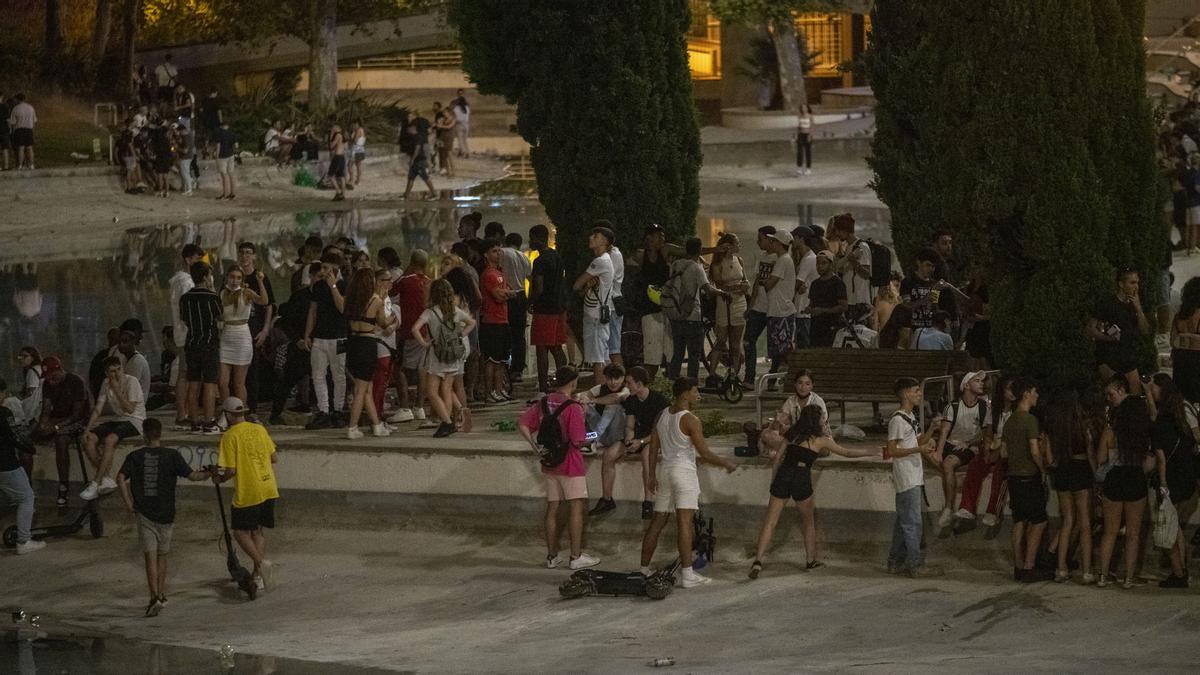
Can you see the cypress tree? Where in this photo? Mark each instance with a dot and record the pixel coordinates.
(990, 125)
(603, 96)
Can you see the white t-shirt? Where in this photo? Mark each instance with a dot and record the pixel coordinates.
(858, 289)
(603, 390)
(166, 74)
(180, 283)
(139, 368)
(133, 394)
(601, 267)
(618, 263)
(932, 339)
(907, 471)
(32, 404)
(391, 309)
(967, 428)
(16, 408)
(791, 407)
(844, 339)
(271, 140)
(779, 298)
(806, 271)
(766, 266)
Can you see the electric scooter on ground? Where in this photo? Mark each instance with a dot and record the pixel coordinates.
(240, 575)
(657, 586)
(89, 514)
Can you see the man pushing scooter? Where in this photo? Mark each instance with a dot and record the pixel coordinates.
(247, 455)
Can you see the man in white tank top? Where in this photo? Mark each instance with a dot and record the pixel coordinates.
(679, 438)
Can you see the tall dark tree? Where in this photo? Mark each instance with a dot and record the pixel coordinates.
(603, 96)
(1000, 121)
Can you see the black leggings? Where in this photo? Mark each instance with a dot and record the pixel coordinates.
(804, 151)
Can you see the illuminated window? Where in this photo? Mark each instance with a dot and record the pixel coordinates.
(823, 34)
(704, 42)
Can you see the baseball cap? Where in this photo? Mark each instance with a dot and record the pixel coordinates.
(970, 376)
(782, 236)
(826, 254)
(51, 364)
(234, 406)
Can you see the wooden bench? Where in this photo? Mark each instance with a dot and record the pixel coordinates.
(863, 375)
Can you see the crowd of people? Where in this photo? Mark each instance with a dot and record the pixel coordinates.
(452, 333)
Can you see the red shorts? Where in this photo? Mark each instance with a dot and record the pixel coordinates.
(548, 330)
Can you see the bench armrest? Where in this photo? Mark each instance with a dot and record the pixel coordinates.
(760, 388)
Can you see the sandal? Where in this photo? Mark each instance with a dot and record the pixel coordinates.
(756, 569)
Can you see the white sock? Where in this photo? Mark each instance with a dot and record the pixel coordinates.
(647, 571)
(688, 571)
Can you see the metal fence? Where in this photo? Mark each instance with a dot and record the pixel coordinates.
(428, 59)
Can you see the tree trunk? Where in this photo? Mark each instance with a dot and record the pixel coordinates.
(100, 30)
(133, 8)
(791, 64)
(54, 35)
(322, 62)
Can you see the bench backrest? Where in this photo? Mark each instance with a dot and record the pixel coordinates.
(870, 374)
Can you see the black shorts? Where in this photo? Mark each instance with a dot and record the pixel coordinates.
(964, 455)
(1074, 476)
(495, 341)
(1027, 499)
(22, 138)
(5, 140)
(203, 363)
(1117, 361)
(1125, 484)
(418, 169)
(121, 430)
(362, 356)
(792, 482)
(337, 166)
(253, 517)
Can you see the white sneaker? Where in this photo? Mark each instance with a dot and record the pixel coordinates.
(964, 514)
(808, 172)
(989, 520)
(380, 429)
(402, 415)
(90, 492)
(691, 578)
(353, 433)
(265, 571)
(107, 485)
(419, 414)
(946, 517)
(259, 583)
(584, 561)
(1162, 342)
(555, 561)
(30, 546)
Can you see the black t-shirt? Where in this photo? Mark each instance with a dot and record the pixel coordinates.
(226, 140)
(59, 400)
(152, 474)
(258, 313)
(1177, 447)
(889, 336)
(826, 292)
(548, 266)
(1110, 311)
(294, 313)
(4, 113)
(330, 325)
(920, 291)
(210, 111)
(645, 413)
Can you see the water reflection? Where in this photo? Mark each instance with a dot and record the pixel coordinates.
(63, 294)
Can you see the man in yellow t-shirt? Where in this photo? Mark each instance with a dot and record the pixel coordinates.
(247, 454)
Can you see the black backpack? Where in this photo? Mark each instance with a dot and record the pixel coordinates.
(549, 435)
(981, 420)
(881, 263)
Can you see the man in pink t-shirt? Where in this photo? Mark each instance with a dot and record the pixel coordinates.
(567, 481)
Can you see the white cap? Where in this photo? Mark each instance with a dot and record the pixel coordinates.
(234, 406)
(970, 376)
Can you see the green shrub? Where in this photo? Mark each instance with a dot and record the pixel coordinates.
(250, 115)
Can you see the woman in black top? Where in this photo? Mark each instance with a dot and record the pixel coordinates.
(1174, 441)
(1072, 477)
(1128, 440)
(654, 268)
(364, 311)
(807, 443)
(1185, 341)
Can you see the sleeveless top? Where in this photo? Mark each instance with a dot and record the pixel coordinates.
(797, 454)
(676, 447)
(235, 313)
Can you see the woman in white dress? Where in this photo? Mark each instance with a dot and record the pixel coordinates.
(237, 346)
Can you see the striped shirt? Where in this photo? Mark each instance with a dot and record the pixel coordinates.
(199, 310)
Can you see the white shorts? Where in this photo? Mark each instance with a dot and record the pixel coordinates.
(225, 166)
(595, 340)
(678, 488)
(656, 340)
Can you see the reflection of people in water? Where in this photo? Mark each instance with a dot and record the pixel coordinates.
(26, 297)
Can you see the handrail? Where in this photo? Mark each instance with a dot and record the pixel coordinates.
(760, 388)
(429, 58)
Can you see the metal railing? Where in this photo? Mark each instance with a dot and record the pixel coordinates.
(428, 59)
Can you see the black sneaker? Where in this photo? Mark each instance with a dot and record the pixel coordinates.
(755, 569)
(647, 510)
(319, 420)
(275, 420)
(153, 608)
(1036, 575)
(1173, 582)
(602, 506)
(63, 490)
(302, 409)
(338, 419)
(444, 430)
